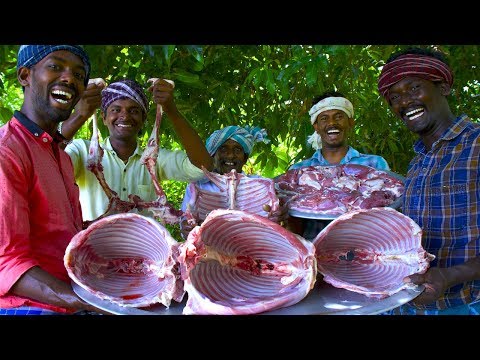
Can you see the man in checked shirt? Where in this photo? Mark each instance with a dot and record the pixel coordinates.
(442, 192)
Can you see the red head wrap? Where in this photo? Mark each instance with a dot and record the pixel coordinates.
(416, 65)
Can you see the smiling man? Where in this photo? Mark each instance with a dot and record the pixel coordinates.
(230, 148)
(39, 206)
(331, 116)
(442, 193)
(124, 108)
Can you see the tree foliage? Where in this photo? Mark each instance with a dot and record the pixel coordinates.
(270, 86)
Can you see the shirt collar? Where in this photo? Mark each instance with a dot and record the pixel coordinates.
(107, 145)
(351, 153)
(36, 130)
(458, 126)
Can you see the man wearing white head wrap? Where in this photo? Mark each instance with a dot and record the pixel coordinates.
(124, 108)
(331, 115)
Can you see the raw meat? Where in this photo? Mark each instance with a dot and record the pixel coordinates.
(241, 263)
(128, 259)
(335, 190)
(370, 251)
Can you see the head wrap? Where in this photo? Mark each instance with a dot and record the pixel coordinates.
(315, 140)
(331, 103)
(124, 89)
(416, 65)
(247, 137)
(29, 55)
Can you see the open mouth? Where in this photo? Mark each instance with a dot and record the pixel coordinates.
(61, 96)
(415, 114)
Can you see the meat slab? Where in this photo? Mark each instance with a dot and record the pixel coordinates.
(128, 259)
(370, 251)
(335, 190)
(242, 263)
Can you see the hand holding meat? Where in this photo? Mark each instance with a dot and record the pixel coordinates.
(91, 99)
(162, 91)
(435, 283)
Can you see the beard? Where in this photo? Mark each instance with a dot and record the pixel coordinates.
(42, 103)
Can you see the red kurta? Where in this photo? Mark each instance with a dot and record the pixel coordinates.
(39, 207)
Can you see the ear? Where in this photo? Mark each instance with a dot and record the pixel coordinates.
(23, 75)
(351, 122)
(445, 88)
(104, 117)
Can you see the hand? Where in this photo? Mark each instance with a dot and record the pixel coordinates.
(91, 99)
(162, 91)
(435, 283)
(280, 215)
(185, 228)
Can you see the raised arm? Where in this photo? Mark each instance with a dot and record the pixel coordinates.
(90, 101)
(162, 92)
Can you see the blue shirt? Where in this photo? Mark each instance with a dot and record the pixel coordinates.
(442, 196)
(313, 227)
(351, 157)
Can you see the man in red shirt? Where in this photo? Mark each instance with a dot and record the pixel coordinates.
(39, 200)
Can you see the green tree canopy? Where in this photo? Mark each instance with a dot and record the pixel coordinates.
(270, 86)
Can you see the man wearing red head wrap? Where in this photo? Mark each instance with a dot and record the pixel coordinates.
(442, 193)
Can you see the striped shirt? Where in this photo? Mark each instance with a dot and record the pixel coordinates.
(442, 196)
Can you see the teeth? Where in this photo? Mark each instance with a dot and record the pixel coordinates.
(414, 111)
(61, 101)
(415, 116)
(62, 93)
(124, 125)
(333, 131)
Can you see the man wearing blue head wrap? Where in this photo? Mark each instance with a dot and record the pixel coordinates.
(230, 148)
(39, 202)
(125, 106)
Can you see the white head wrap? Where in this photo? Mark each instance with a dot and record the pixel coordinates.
(315, 140)
(331, 103)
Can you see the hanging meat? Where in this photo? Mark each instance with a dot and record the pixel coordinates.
(161, 209)
(335, 190)
(128, 259)
(255, 195)
(370, 251)
(241, 263)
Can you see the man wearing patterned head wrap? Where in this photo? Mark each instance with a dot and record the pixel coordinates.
(331, 115)
(29, 55)
(230, 147)
(442, 184)
(124, 108)
(39, 203)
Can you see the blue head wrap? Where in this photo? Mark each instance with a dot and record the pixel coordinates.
(29, 55)
(247, 137)
(124, 89)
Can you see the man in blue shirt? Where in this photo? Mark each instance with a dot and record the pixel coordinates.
(332, 118)
(442, 193)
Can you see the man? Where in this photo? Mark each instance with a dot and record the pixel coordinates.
(230, 148)
(331, 115)
(39, 207)
(124, 108)
(442, 192)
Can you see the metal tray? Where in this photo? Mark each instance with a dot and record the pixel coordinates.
(323, 299)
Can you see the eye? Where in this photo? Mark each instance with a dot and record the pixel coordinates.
(80, 76)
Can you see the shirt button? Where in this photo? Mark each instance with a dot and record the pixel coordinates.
(124, 189)
(45, 140)
(124, 170)
(418, 192)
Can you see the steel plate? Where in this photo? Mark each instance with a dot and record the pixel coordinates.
(321, 216)
(323, 299)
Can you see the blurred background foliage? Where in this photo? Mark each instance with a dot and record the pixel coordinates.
(270, 86)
